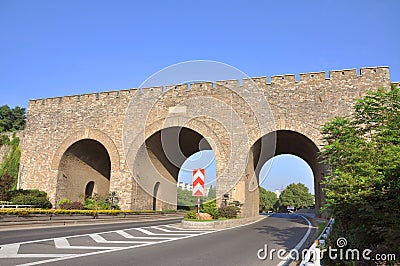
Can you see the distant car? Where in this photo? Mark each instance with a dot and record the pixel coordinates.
(290, 209)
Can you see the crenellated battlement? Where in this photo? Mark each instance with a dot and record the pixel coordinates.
(313, 78)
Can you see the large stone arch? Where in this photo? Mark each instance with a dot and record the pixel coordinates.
(284, 141)
(206, 128)
(158, 162)
(229, 118)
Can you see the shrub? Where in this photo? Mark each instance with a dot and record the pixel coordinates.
(65, 200)
(71, 206)
(210, 207)
(191, 215)
(30, 197)
(39, 202)
(30, 192)
(6, 184)
(237, 205)
(228, 212)
(97, 202)
(90, 204)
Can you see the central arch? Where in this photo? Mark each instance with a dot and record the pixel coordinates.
(157, 164)
(287, 142)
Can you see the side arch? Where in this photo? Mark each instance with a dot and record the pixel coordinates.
(88, 133)
(289, 142)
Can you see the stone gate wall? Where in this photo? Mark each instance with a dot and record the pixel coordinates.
(302, 105)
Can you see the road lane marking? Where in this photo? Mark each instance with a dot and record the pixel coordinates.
(9, 250)
(32, 256)
(129, 236)
(101, 240)
(170, 231)
(301, 242)
(62, 243)
(147, 232)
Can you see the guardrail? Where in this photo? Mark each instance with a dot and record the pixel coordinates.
(15, 206)
(313, 255)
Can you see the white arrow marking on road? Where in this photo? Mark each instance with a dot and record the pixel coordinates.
(62, 243)
(99, 239)
(169, 231)
(129, 236)
(156, 234)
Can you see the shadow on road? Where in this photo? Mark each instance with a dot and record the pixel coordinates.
(285, 230)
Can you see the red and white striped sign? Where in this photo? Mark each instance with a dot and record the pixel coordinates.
(198, 182)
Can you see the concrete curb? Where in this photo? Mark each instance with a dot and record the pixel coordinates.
(220, 224)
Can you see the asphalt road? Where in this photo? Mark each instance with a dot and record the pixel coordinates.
(165, 244)
(26, 234)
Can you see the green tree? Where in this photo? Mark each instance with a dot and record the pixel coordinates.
(363, 155)
(12, 119)
(212, 194)
(268, 200)
(18, 118)
(296, 195)
(185, 199)
(5, 118)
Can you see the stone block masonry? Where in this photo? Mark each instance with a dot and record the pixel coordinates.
(54, 125)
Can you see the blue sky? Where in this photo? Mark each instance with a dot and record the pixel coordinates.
(282, 170)
(55, 48)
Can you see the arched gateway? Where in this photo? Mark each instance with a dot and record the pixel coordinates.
(133, 142)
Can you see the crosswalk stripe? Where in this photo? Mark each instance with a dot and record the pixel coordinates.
(129, 236)
(147, 232)
(170, 231)
(62, 243)
(11, 252)
(101, 240)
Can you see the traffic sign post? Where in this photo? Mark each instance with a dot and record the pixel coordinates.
(198, 186)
